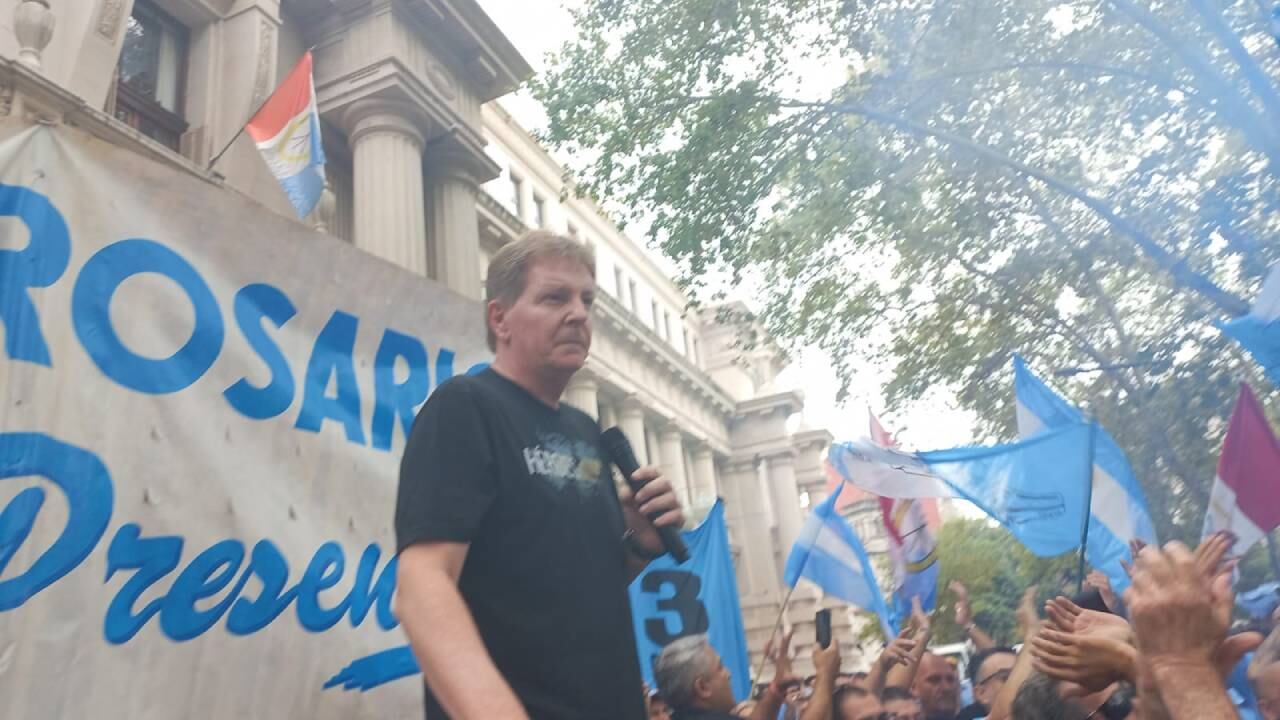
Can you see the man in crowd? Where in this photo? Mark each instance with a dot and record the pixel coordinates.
(937, 684)
(901, 705)
(988, 669)
(854, 703)
(696, 684)
(515, 549)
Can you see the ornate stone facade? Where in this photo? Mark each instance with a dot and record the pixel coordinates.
(428, 172)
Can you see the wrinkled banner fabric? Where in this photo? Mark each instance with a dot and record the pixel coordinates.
(202, 409)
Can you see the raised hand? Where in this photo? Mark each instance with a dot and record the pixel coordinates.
(1209, 555)
(1065, 616)
(964, 613)
(1028, 618)
(1098, 579)
(1092, 661)
(919, 618)
(782, 657)
(898, 652)
(1180, 614)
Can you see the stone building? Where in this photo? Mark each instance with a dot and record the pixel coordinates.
(426, 171)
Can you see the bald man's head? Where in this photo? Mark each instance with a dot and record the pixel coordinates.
(938, 686)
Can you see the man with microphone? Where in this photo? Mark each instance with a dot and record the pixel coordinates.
(515, 548)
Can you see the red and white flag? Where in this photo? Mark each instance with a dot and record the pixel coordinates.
(1246, 494)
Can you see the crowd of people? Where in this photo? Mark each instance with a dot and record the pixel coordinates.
(1165, 649)
(513, 538)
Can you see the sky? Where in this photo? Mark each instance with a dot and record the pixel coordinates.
(537, 27)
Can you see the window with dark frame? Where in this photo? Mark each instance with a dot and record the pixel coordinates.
(151, 76)
(517, 194)
(539, 210)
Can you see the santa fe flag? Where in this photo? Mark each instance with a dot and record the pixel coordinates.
(908, 524)
(287, 132)
(1246, 494)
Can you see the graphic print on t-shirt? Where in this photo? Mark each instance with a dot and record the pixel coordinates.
(561, 461)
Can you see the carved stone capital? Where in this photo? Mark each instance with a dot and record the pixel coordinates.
(374, 115)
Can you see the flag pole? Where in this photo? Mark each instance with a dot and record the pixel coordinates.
(235, 137)
(1088, 503)
(245, 124)
(776, 625)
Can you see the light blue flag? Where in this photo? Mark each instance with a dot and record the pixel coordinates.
(1036, 488)
(669, 601)
(1259, 330)
(828, 553)
(1118, 511)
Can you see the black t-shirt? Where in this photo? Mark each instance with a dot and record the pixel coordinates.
(530, 488)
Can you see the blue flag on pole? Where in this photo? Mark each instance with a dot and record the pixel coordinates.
(1118, 511)
(829, 554)
(670, 601)
(1035, 488)
(1259, 330)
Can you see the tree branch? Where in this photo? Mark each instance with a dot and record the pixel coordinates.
(1213, 82)
(1253, 75)
(1089, 69)
(1182, 275)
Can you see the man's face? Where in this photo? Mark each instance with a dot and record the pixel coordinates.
(1267, 689)
(853, 707)
(717, 689)
(937, 686)
(548, 328)
(990, 678)
(904, 709)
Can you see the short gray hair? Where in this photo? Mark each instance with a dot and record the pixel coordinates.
(679, 666)
(1038, 699)
(509, 269)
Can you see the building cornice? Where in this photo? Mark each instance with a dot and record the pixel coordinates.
(616, 318)
(786, 403)
(805, 439)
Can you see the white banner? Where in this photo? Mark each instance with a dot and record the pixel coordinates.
(202, 410)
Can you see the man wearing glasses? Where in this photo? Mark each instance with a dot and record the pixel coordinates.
(988, 670)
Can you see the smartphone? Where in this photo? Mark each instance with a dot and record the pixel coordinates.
(822, 624)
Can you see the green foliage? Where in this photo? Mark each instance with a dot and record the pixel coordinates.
(934, 186)
(996, 569)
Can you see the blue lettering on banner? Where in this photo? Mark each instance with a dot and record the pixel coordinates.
(91, 315)
(211, 587)
(38, 265)
(253, 304)
(82, 478)
(332, 357)
(45, 260)
(401, 399)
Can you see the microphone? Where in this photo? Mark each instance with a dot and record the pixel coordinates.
(620, 452)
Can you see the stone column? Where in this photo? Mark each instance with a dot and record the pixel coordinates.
(704, 477)
(389, 213)
(581, 394)
(453, 232)
(785, 494)
(654, 443)
(673, 462)
(748, 514)
(631, 420)
(608, 415)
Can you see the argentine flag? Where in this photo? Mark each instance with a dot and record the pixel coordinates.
(1035, 487)
(1118, 510)
(1259, 330)
(829, 554)
(287, 132)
